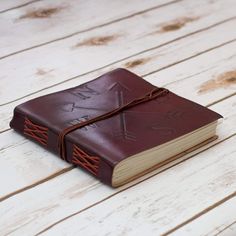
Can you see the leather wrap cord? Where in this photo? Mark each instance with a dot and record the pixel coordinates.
(156, 92)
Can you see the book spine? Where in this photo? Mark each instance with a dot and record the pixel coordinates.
(43, 136)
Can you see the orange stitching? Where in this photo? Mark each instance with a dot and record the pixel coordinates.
(81, 158)
(37, 132)
(156, 92)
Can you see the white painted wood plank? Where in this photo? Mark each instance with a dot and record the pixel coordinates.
(75, 190)
(155, 204)
(24, 164)
(230, 231)
(87, 185)
(158, 59)
(203, 69)
(213, 79)
(219, 221)
(162, 202)
(47, 20)
(31, 71)
(6, 5)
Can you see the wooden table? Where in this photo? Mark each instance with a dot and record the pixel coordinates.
(186, 46)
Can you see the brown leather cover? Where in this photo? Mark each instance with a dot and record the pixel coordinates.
(98, 147)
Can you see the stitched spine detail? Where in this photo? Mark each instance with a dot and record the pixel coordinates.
(37, 132)
(153, 94)
(90, 163)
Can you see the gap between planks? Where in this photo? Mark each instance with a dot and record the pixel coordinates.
(212, 223)
(213, 206)
(90, 28)
(74, 72)
(201, 213)
(54, 175)
(191, 57)
(50, 177)
(19, 6)
(189, 157)
(131, 186)
(65, 170)
(223, 98)
(227, 227)
(137, 54)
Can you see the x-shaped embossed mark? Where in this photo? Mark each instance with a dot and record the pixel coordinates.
(120, 90)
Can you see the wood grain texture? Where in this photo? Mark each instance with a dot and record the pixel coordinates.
(7, 5)
(213, 223)
(168, 199)
(155, 60)
(75, 190)
(24, 164)
(191, 72)
(180, 191)
(65, 62)
(40, 22)
(186, 46)
(219, 67)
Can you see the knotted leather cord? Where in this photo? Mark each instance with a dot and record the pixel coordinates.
(156, 92)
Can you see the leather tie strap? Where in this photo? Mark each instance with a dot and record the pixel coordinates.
(156, 92)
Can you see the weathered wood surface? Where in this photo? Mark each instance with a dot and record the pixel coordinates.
(187, 46)
(147, 63)
(200, 74)
(42, 21)
(162, 203)
(81, 190)
(7, 5)
(219, 225)
(106, 45)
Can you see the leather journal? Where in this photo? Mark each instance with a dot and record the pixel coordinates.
(117, 127)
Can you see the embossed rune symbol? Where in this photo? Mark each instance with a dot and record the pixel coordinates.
(84, 92)
(82, 119)
(122, 132)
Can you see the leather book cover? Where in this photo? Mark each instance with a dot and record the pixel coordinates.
(99, 146)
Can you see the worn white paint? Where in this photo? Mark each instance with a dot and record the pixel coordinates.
(221, 220)
(158, 59)
(41, 22)
(7, 5)
(24, 163)
(76, 190)
(217, 66)
(155, 206)
(54, 63)
(200, 72)
(183, 59)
